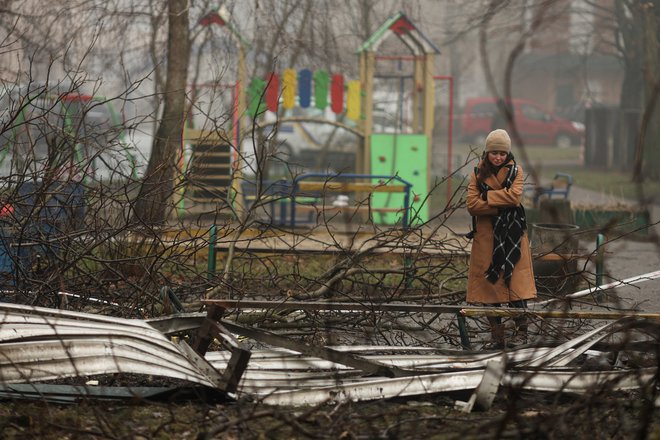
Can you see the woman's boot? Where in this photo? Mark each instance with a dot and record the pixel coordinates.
(496, 332)
(520, 331)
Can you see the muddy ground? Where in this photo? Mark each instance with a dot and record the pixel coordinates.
(514, 415)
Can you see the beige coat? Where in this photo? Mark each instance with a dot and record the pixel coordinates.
(479, 289)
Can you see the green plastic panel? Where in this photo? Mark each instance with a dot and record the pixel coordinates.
(404, 155)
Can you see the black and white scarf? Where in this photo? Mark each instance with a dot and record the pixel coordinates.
(508, 228)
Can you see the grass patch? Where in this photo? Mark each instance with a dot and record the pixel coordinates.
(614, 183)
(382, 274)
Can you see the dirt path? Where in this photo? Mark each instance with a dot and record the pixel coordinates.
(626, 257)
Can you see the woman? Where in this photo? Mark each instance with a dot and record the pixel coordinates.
(500, 261)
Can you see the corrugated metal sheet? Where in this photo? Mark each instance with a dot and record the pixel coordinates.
(38, 344)
(292, 379)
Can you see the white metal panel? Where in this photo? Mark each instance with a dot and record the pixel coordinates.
(40, 344)
(378, 389)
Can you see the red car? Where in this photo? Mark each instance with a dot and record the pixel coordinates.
(535, 125)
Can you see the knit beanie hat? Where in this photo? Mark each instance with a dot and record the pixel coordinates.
(498, 140)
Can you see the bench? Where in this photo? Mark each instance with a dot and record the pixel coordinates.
(282, 200)
(560, 186)
(274, 194)
(316, 187)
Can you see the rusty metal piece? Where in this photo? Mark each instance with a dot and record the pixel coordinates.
(425, 308)
(336, 306)
(207, 331)
(240, 356)
(211, 329)
(559, 314)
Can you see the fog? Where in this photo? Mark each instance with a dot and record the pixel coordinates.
(563, 57)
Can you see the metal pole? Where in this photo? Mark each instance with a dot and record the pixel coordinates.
(213, 241)
(600, 259)
(557, 314)
(462, 329)
(408, 271)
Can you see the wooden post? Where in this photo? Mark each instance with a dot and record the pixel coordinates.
(418, 79)
(239, 130)
(600, 263)
(213, 241)
(209, 330)
(367, 67)
(429, 113)
(206, 333)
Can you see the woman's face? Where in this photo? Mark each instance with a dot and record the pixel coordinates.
(497, 158)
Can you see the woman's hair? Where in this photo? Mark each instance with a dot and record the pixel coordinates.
(487, 169)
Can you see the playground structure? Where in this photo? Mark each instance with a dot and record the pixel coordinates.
(57, 148)
(87, 131)
(402, 155)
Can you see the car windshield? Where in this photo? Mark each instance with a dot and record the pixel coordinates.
(532, 112)
(483, 110)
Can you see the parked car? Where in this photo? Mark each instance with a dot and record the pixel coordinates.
(535, 125)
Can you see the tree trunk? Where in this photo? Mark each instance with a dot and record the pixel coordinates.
(632, 86)
(651, 117)
(158, 183)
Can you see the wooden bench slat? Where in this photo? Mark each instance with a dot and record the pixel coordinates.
(211, 154)
(307, 208)
(348, 187)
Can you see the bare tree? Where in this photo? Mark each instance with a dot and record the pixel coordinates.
(648, 153)
(630, 29)
(103, 259)
(152, 202)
